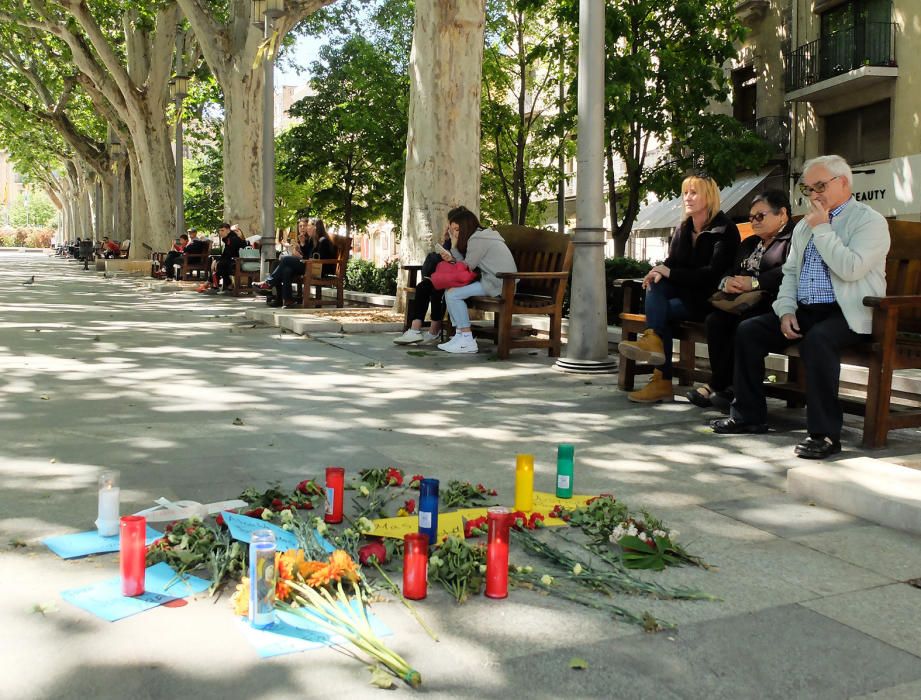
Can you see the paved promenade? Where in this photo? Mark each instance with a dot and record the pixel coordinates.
(105, 373)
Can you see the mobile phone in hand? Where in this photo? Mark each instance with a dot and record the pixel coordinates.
(441, 250)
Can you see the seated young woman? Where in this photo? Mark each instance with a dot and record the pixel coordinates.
(312, 242)
(425, 296)
(702, 249)
(758, 267)
(484, 251)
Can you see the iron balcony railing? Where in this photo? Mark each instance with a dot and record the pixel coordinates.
(865, 44)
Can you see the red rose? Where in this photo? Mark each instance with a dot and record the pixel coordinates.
(535, 521)
(255, 512)
(219, 519)
(410, 506)
(519, 520)
(394, 477)
(277, 504)
(557, 511)
(416, 481)
(305, 505)
(308, 487)
(375, 549)
(169, 527)
(190, 531)
(481, 488)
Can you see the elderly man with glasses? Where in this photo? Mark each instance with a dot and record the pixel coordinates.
(837, 257)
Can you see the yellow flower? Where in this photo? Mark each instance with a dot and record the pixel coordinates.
(240, 598)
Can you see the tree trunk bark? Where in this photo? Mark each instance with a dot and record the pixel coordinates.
(443, 138)
(242, 149)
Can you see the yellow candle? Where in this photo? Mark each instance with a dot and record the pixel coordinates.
(524, 483)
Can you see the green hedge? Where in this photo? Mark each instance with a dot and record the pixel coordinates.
(365, 276)
(614, 268)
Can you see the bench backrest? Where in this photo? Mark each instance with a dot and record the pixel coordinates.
(903, 269)
(250, 260)
(343, 246)
(538, 250)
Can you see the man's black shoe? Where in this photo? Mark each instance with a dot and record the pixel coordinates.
(730, 426)
(817, 448)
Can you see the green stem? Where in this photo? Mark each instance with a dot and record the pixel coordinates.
(409, 606)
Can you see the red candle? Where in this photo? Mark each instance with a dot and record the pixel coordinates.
(415, 565)
(132, 531)
(335, 485)
(499, 520)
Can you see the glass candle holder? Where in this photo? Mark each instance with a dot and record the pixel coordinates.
(565, 466)
(415, 565)
(428, 509)
(133, 552)
(335, 486)
(107, 511)
(499, 521)
(524, 483)
(262, 575)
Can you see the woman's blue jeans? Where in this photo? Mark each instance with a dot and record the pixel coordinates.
(663, 308)
(456, 301)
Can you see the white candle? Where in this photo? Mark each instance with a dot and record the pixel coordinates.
(108, 512)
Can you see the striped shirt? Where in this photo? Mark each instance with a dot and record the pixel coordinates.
(814, 283)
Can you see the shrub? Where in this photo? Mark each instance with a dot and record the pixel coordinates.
(365, 276)
(26, 237)
(614, 268)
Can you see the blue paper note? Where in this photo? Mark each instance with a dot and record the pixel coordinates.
(293, 633)
(243, 526)
(81, 544)
(105, 598)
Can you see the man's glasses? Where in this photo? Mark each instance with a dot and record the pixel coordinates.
(818, 187)
(759, 217)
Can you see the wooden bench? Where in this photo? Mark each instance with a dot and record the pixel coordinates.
(246, 270)
(895, 344)
(544, 261)
(196, 263)
(315, 279)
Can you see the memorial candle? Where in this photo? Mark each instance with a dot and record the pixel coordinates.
(524, 483)
(133, 552)
(565, 466)
(428, 509)
(262, 574)
(499, 521)
(415, 565)
(335, 485)
(108, 508)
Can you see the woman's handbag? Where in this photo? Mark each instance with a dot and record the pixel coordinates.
(738, 303)
(452, 274)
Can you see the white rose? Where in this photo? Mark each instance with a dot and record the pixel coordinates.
(267, 514)
(363, 490)
(321, 527)
(577, 569)
(546, 579)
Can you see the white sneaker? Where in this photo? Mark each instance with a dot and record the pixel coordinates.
(409, 337)
(460, 345)
(429, 338)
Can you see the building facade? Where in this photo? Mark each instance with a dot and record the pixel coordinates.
(842, 77)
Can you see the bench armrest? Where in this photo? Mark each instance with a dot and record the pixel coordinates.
(533, 275)
(628, 282)
(893, 301)
(410, 268)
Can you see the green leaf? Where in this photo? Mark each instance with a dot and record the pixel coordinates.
(578, 664)
(380, 677)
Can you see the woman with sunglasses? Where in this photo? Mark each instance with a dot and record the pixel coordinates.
(700, 253)
(757, 268)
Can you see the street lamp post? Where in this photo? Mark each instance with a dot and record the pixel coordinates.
(269, 10)
(179, 88)
(115, 149)
(587, 344)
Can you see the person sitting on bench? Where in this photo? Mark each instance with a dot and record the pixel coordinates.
(837, 257)
(222, 267)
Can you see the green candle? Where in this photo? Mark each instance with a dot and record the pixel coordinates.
(565, 464)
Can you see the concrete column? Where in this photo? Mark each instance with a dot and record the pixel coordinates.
(587, 345)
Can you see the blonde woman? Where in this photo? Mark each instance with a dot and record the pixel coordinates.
(702, 250)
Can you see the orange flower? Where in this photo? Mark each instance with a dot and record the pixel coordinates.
(240, 598)
(340, 566)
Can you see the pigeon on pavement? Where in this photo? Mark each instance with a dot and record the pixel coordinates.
(31, 280)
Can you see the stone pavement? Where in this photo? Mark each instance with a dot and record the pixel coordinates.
(104, 373)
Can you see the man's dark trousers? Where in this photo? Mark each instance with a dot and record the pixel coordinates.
(825, 334)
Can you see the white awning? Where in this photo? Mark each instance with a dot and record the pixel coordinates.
(660, 219)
